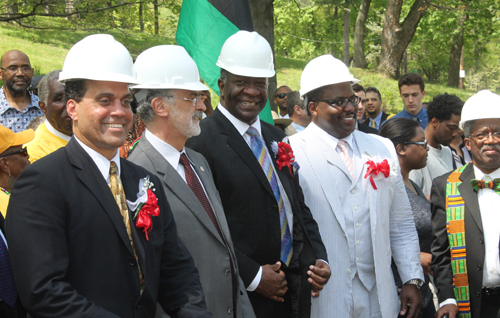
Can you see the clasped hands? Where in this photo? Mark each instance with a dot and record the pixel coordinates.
(273, 283)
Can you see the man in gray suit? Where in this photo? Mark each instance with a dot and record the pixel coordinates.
(171, 107)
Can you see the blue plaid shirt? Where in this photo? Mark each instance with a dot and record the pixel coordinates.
(15, 119)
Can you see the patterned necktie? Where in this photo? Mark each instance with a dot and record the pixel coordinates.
(344, 154)
(196, 187)
(260, 153)
(117, 190)
(372, 124)
(8, 292)
(481, 184)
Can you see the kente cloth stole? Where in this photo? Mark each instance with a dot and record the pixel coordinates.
(455, 228)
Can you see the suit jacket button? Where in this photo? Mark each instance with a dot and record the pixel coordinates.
(230, 311)
(478, 294)
(131, 262)
(138, 306)
(227, 272)
(479, 267)
(481, 240)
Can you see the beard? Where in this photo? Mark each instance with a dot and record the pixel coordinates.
(17, 89)
(184, 122)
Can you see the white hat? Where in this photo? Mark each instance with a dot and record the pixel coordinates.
(482, 105)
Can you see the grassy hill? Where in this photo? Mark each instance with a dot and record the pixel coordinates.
(47, 50)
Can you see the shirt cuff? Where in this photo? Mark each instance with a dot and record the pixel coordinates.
(256, 281)
(324, 261)
(448, 302)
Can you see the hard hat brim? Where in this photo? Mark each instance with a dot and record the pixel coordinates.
(120, 78)
(194, 86)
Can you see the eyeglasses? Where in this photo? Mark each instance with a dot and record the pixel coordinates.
(193, 100)
(281, 95)
(13, 69)
(372, 88)
(425, 143)
(22, 151)
(485, 136)
(341, 102)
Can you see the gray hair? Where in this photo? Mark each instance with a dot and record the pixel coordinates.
(292, 100)
(467, 126)
(145, 111)
(43, 86)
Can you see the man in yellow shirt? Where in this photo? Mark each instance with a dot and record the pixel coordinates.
(13, 159)
(56, 131)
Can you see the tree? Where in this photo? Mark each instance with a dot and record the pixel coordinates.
(457, 43)
(346, 33)
(396, 36)
(359, 35)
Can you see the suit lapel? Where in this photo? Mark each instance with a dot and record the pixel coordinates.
(327, 179)
(239, 145)
(173, 181)
(90, 176)
(469, 196)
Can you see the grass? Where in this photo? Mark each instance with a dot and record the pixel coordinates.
(47, 50)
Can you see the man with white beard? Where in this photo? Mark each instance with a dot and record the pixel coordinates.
(170, 105)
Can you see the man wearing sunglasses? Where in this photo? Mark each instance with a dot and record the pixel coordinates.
(17, 105)
(280, 98)
(444, 117)
(465, 218)
(352, 184)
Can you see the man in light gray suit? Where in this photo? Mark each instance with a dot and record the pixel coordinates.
(352, 184)
(170, 105)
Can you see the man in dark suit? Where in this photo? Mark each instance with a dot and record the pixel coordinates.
(78, 247)
(172, 115)
(465, 218)
(263, 204)
(375, 116)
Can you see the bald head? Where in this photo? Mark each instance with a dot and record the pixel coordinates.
(13, 54)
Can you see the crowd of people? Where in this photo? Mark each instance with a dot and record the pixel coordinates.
(124, 195)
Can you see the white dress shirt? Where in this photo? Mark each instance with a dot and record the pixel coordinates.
(56, 132)
(242, 128)
(101, 162)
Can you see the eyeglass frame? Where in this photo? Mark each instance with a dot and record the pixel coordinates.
(281, 95)
(424, 143)
(23, 151)
(487, 135)
(24, 69)
(193, 100)
(335, 102)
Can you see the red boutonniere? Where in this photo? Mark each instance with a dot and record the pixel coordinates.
(377, 168)
(145, 206)
(283, 151)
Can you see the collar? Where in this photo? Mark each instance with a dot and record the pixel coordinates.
(379, 117)
(4, 103)
(331, 140)
(101, 162)
(240, 126)
(421, 114)
(481, 175)
(56, 132)
(168, 152)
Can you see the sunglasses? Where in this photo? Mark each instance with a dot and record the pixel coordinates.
(23, 151)
(281, 95)
(425, 144)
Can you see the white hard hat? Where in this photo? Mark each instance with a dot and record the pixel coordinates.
(322, 71)
(247, 54)
(482, 105)
(98, 57)
(167, 67)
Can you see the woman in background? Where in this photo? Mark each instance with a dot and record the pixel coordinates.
(409, 140)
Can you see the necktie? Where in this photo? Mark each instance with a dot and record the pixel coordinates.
(372, 123)
(482, 184)
(117, 190)
(260, 152)
(196, 187)
(344, 154)
(8, 292)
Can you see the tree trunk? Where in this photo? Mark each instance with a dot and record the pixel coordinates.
(359, 35)
(141, 16)
(346, 33)
(457, 42)
(263, 23)
(462, 67)
(404, 64)
(11, 8)
(396, 36)
(155, 6)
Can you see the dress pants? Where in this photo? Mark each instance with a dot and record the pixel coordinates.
(364, 303)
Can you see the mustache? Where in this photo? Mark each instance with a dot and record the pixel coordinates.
(490, 147)
(198, 114)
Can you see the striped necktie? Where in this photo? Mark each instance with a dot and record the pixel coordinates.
(260, 153)
(344, 154)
